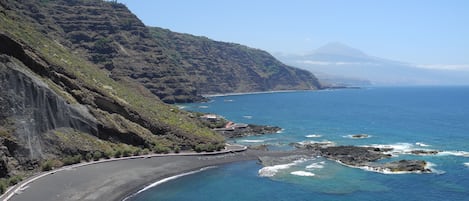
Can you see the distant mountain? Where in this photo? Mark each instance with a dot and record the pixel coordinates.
(346, 65)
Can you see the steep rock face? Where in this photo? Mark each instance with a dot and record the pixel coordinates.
(109, 35)
(29, 110)
(35, 109)
(56, 105)
(175, 67)
(221, 67)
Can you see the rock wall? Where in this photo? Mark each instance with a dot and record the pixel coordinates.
(34, 108)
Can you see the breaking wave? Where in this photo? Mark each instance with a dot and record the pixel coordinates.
(270, 171)
(253, 141)
(313, 136)
(317, 165)
(303, 173)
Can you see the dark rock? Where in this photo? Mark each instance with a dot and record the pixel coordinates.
(359, 136)
(249, 130)
(367, 157)
(352, 155)
(424, 152)
(413, 166)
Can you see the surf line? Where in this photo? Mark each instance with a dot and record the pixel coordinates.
(159, 182)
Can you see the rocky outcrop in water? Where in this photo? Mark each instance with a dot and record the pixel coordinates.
(359, 157)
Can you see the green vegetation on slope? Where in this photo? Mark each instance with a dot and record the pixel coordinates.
(130, 119)
(227, 67)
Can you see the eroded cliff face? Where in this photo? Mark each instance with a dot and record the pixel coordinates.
(35, 108)
(32, 108)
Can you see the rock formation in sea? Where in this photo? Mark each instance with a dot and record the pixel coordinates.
(355, 156)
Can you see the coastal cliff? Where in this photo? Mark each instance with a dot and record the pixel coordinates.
(59, 108)
(222, 67)
(84, 80)
(110, 36)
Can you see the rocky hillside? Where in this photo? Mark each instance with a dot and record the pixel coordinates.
(221, 67)
(175, 67)
(58, 106)
(86, 79)
(111, 37)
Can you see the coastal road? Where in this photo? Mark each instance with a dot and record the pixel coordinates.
(115, 179)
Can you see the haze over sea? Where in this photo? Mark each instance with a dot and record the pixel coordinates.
(405, 118)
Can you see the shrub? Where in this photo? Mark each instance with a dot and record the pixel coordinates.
(145, 151)
(70, 160)
(88, 156)
(126, 152)
(177, 149)
(108, 154)
(161, 149)
(97, 155)
(137, 152)
(3, 186)
(118, 153)
(14, 180)
(50, 164)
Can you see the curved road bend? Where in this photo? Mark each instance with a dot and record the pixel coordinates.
(114, 179)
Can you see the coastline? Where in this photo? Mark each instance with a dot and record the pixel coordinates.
(277, 91)
(118, 179)
(253, 93)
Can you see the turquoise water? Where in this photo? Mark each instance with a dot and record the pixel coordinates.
(434, 118)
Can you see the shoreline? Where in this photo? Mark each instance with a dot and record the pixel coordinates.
(254, 93)
(277, 91)
(119, 179)
(164, 180)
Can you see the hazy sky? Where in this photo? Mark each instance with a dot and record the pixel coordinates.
(415, 31)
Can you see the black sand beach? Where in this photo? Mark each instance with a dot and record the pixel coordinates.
(116, 180)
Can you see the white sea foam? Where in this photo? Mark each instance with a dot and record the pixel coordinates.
(168, 179)
(247, 117)
(324, 142)
(313, 136)
(466, 164)
(432, 166)
(388, 171)
(454, 153)
(270, 171)
(252, 141)
(303, 173)
(318, 165)
(203, 106)
(421, 144)
(398, 148)
(280, 131)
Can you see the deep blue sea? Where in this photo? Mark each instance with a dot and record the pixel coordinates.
(405, 118)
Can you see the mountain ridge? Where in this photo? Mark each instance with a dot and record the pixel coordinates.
(236, 67)
(343, 61)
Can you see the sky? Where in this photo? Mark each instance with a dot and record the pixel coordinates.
(430, 33)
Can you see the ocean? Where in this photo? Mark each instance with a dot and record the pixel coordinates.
(404, 118)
